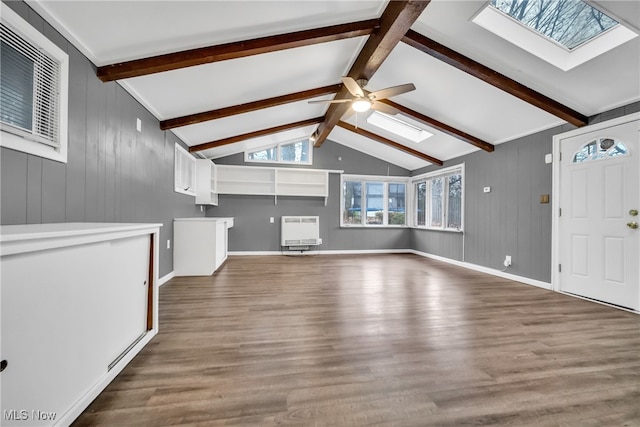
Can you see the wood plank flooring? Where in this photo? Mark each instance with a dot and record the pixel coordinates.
(391, 340)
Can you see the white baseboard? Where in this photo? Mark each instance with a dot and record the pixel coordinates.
(492, 271)
(166, 278)
(328, 252)
(514, 277)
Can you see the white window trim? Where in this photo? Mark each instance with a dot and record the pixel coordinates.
(414, 201)
(384, 179)
(20, 143)
(191, 189)
(277, 147)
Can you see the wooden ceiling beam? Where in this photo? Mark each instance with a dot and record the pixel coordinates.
(443, 127)
(254, 134)
(234, 50)
(486, 74)
(395, 21)
(248, 107)
(386, 141)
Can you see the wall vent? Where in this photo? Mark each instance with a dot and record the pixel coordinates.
(300, 231)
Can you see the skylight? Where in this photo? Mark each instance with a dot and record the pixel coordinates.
(567, 22)
(565, 33)
(398, 126)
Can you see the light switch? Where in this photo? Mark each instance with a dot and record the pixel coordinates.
(271, 220)
(139, 125)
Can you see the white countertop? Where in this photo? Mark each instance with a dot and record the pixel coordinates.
(10, 233)
(32, 237)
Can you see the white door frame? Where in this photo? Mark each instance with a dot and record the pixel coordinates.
(555, 200)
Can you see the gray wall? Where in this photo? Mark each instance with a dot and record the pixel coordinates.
(113, 174)
(510, 220)
(253, 232)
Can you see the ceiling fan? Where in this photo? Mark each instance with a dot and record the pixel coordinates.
(363, 100)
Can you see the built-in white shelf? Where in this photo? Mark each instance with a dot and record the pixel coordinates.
(206, 183)
(259, 180)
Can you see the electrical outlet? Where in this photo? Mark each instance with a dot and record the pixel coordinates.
(507, 260)
(271, 220)
(138, 125)
(168, 243)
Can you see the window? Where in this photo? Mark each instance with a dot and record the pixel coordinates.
(569, 23)
(185, 171)
(33, 90)
(297, 152)
(439, 199)
(565, 33)
(601, 148)
(373, 201)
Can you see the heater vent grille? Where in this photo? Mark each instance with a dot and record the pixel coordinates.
(300, 231)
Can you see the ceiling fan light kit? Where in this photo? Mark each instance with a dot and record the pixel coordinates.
(361, 105)
(363, 101)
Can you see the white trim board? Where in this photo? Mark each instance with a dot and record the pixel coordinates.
(494, 272)
(328, 252)
(164, 279)
(514, 277)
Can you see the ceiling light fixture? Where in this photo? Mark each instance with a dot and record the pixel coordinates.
(361, 105)
(397, 126)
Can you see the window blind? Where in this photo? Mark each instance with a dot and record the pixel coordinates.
(29, 89)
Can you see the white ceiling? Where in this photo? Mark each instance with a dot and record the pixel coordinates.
(114, 31)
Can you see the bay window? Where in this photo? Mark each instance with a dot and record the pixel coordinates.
(373, 201)
(438, 198)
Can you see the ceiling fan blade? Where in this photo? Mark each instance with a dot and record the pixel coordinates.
(353, 87)
(329, 101)
(392, 91)
(384, 108)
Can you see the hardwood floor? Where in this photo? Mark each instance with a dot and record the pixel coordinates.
(393, 340)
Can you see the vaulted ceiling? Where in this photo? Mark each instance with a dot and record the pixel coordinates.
(230, 76)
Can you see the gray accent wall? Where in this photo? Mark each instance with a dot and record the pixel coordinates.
(113, 173)
(253, 232)
(510, 220)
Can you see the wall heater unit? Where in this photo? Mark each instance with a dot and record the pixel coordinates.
(300, 232)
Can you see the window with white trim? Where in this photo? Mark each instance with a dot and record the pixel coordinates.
(373, 201)
(439, 199)
(33, 90)
(185, 171)
(293, 152)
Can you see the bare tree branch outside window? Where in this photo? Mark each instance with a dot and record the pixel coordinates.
(567, 22)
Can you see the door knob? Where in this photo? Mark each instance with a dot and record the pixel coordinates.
(633, 212)
(633, 225)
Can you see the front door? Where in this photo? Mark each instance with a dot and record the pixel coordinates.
(599, 243)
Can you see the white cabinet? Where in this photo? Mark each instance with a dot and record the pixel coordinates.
(200, 245)
(206, 183)
(258, 180)
(78, 301)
